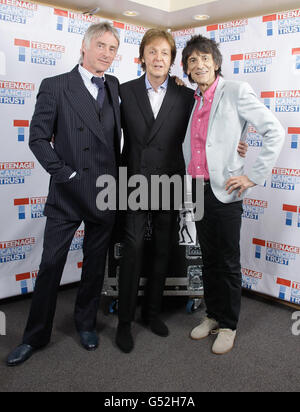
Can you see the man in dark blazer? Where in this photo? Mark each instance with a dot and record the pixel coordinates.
(155, 113)
(75, 134)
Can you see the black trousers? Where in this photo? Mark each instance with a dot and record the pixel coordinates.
(132, 260)
(57, 240)
(219, 237)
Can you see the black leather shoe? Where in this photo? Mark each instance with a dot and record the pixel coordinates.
(89, 340)
(124, 339)
(159, 327)
(20, 355)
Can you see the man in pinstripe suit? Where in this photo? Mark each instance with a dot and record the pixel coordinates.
(75, 134)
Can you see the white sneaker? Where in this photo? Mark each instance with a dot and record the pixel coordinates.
(224, 342)
(204, 329)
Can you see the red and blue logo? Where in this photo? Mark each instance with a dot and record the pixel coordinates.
(285, 179)
(287, 23)
(254, 208)
(40, 53)
(16, 250)
(76, 23)
(292, 215)
(250, 278)
(37, 206)
(255, 62)
(21, 126)
(15, 173)
(27, 281)
(139, 66)
(77, 242)
(253, 139)
(228, 32)
(133, 34)
(294, 132)
(14, 92)
(289, 290)
(181, 37)
(278, 253)
(14, 11)
(285, 101)
(296, 53)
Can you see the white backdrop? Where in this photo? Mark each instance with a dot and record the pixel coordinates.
(38, 41)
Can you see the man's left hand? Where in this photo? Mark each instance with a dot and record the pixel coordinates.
(178, 81)
(240, 183)
(243, 149)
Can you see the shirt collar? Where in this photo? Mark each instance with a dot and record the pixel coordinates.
(86, 74)
(209, 92)
(163, 86)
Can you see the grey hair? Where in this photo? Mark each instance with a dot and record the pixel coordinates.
(98, 30)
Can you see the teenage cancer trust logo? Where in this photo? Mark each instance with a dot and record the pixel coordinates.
(283, 23)
(228, 32)
(275, 252)
(254, 62)
(253, 209)
(17, 11)
(285, 179)
(76, 23)
(13, 92)
(15, 173)
(285, 101)
(15, 250)
(40, 53)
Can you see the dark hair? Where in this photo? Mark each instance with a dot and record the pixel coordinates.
(154, 34)
(201, 44)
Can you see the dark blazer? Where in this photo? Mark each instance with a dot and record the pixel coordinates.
(66, 135)
(154, 146)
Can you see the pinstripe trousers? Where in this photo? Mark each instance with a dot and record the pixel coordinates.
(57, 240)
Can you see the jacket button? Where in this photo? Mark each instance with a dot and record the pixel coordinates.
(86, 149)
(86, 169)
(81, 129)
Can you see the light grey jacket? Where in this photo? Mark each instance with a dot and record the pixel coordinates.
(235, 106)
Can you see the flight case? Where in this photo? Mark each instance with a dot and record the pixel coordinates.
(185, 273)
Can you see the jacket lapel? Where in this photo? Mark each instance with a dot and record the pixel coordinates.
(143, 102)
(81, 101)
(114, 93)
(218, 95)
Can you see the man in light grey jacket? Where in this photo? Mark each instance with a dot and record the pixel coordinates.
(222, 112)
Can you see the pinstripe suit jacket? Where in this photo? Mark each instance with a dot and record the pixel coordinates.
(66, 115)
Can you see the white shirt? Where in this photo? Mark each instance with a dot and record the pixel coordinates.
(87, 80)
(156, 98)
